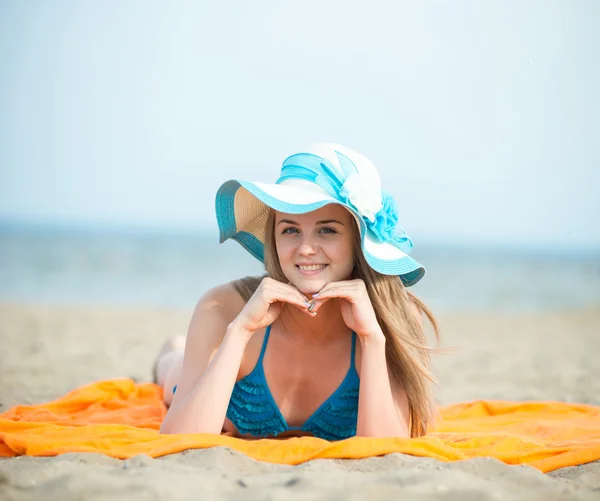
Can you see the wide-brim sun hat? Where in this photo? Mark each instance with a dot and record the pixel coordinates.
(325, 173)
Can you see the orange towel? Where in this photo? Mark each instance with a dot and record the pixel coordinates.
(120, 418)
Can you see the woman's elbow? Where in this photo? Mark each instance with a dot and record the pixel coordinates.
(397, 431)
(166, 428)
(172, 426)
(172, 423)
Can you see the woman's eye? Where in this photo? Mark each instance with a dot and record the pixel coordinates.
(291, 230)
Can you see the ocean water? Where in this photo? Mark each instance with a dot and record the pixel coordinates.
(127, 268)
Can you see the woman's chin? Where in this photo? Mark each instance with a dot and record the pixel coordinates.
(309, 287)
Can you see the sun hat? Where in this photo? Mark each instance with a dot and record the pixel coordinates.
(325, 173)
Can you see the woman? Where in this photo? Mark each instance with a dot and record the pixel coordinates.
(329, 343)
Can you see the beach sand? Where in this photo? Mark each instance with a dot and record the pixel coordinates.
(50, 350)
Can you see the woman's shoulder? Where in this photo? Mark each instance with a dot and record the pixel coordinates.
(226, 301)
(222, 300)
(214, 311)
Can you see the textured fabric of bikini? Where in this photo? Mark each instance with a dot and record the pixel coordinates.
(253, 410)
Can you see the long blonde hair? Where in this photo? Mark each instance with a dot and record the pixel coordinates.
(407, 352)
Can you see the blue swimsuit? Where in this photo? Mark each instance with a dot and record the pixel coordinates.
(253, 411)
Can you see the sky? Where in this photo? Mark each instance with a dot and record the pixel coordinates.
(483, 118)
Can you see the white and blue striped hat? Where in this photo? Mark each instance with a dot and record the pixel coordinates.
(326, 173)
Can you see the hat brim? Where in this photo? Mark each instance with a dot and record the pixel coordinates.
(242, 209)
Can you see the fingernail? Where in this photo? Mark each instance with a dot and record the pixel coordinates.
(307, 304)
(315, 295)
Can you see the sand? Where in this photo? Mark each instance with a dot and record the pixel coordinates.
(49, 350)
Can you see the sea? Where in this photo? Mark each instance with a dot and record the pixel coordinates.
(172, 269)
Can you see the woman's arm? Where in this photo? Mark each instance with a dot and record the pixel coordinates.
(211, 363)
(382, 410)
(209, 373)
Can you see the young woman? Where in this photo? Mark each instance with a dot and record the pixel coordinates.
(329, 342)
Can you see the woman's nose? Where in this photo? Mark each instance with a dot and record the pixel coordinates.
(307, 246)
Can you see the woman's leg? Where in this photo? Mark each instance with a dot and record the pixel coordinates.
(167, 367)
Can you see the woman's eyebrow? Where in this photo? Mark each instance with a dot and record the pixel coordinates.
(327, 221)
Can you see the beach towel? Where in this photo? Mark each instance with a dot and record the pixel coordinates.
(121, 418)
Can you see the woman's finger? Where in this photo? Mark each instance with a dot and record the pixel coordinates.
(292, 291)
(343, 290)
(316, 304)
(337, 289)
(353, 284)
(305, 302)
(277, 291)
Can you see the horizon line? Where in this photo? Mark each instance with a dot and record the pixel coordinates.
(424, 242)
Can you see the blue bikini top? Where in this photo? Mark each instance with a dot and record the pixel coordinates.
(253, 410)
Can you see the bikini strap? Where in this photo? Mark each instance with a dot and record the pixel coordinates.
(352, 356)
(264, 345)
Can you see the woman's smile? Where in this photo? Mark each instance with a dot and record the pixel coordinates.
(310, 270)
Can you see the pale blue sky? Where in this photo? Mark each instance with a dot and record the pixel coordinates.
(482, 117)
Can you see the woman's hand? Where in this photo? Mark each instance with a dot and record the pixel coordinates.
(265, 305)
(357, 310)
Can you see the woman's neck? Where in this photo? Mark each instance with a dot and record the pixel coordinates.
(302, 328)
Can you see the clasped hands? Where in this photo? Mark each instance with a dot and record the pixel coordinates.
(266, 303)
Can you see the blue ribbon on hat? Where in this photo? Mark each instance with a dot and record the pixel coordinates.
(321, 171)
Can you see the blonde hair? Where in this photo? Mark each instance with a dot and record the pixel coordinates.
(407, 353)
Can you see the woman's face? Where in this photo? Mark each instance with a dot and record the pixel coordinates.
(315, 248)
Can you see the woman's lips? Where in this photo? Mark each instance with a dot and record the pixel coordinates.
(310, 270)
